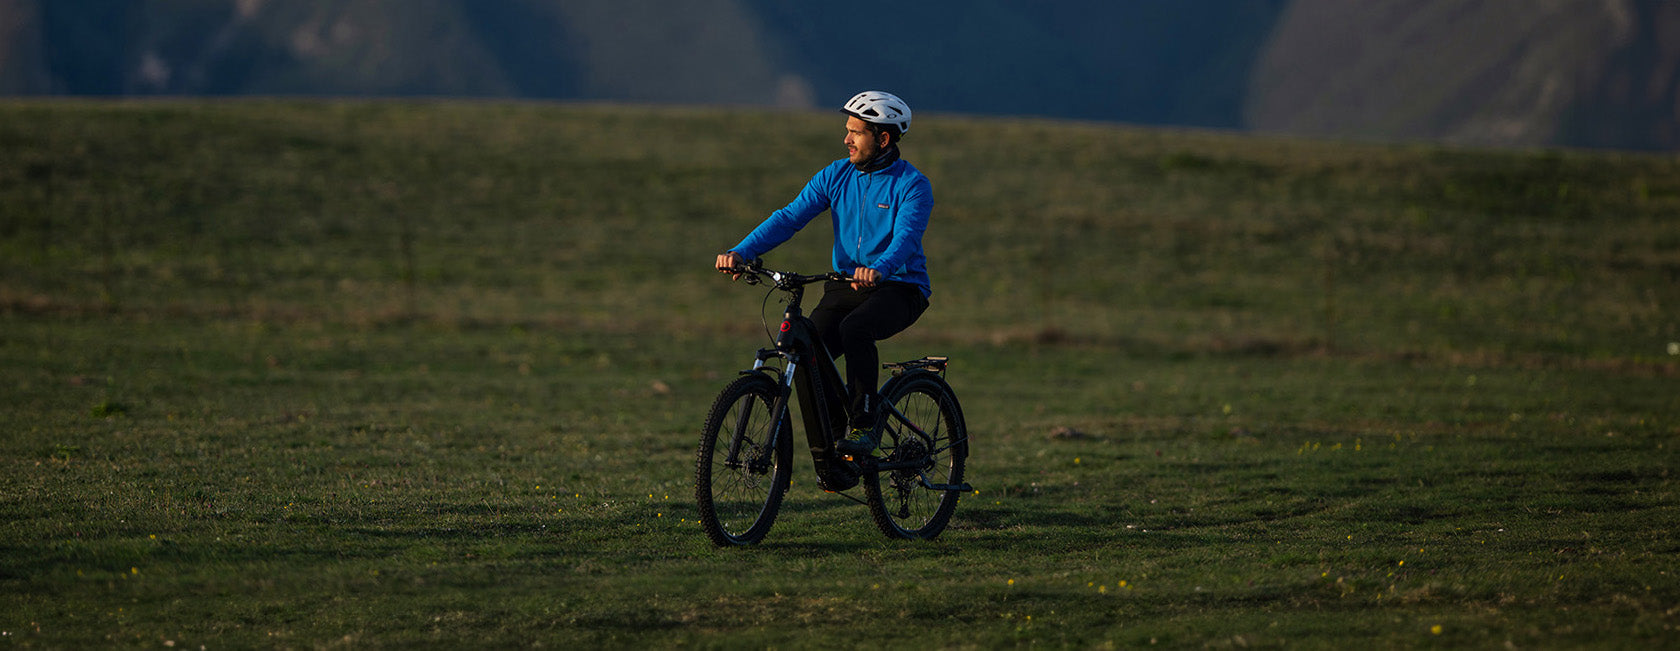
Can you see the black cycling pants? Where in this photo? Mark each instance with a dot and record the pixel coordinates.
(852, 320)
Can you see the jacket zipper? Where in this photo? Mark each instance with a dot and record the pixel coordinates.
(863, 214)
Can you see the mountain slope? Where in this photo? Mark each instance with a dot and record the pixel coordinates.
(1600, 73)
(1478, 73)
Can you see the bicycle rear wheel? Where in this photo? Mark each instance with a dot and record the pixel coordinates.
(739, 480)
(902, 502)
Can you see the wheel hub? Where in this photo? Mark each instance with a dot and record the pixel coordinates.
(910, 450)
(759, 463)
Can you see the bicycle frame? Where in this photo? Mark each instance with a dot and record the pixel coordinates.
(810, 373)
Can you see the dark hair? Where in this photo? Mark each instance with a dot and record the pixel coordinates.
(889, 129)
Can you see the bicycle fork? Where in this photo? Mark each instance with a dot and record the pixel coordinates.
(760, 464)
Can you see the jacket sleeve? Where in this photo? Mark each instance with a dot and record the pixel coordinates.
(782, 224)
(908, 226)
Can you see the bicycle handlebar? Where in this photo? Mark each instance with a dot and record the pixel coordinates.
(784, 280)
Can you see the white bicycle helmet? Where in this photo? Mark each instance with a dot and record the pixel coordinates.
(877, 107)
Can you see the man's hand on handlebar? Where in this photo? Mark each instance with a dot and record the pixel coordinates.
(863, 277)
(730, 262)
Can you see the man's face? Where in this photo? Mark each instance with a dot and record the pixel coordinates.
(861, 141)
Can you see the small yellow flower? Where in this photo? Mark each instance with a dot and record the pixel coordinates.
(1012, 583)
(1435, 630)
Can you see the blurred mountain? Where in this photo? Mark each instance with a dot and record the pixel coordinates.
(1594, 73)
(1599, 73)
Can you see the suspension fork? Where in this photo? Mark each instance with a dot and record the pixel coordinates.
(778, 409)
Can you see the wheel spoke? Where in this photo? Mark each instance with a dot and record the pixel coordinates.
(925, 429)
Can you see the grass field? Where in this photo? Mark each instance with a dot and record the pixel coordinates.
(385, 374)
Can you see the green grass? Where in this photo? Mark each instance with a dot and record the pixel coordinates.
(313, 374)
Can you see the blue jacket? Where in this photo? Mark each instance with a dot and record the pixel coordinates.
(879, 218)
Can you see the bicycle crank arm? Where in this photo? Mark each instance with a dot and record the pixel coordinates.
(963, 487)
(889, 466)
(873, 465)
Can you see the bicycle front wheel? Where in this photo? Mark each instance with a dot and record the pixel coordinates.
(740, 473)
(917, 502)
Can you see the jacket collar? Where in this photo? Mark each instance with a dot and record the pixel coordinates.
(881, 161)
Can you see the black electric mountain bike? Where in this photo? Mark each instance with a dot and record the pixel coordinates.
(745, 460)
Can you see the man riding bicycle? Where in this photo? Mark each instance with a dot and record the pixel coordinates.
(880, 206)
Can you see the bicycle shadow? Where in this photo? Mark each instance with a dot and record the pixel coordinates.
(816, 524)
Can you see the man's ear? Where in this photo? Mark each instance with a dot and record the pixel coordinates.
(882, 138)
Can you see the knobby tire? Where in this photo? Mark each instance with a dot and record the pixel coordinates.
(738, 501)
(898, 501)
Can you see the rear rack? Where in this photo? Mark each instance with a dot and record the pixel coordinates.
(933, 363)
